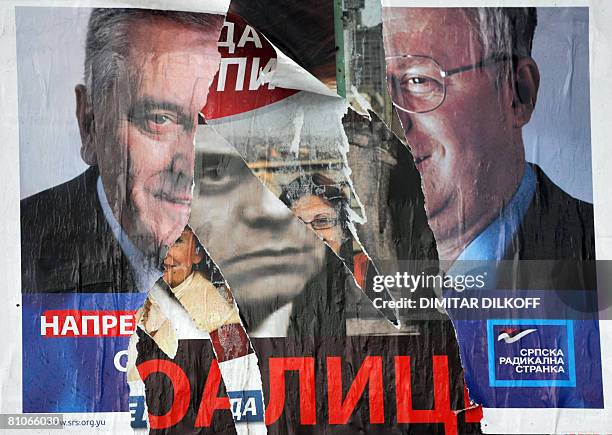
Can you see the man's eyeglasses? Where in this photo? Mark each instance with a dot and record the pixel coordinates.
(417, 84)
(322, 222)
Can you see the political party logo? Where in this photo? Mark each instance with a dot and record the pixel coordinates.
(531, 353)
(510, 335)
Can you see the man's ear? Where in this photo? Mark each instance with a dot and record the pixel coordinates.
(85, 118)
(198, 256)
(526, 84)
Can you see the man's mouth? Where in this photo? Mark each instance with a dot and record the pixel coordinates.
(174, 199)
(267, 254)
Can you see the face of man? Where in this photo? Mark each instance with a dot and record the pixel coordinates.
(265, 253)
(468, 151)
(181, 257)
(144, 146)
(312, 208)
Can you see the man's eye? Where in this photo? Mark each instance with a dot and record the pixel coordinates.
(215, 180)
(420, 84)
(160, 119)
(214, 173)
(156, 122)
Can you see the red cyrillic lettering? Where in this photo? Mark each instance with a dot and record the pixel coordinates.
(306, 371)
(403, 395)
(369, 373)
(181, 392)
(210, 401)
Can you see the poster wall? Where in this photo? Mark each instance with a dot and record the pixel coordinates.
(358, 218)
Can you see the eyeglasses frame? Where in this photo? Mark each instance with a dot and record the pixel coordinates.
(491, 60)
(335, 220)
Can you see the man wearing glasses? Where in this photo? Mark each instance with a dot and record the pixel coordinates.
(464, 84)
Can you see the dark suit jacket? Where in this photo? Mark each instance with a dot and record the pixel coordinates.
(555, 243)
(556, 225)
(66, 243)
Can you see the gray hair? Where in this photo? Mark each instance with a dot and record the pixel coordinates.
(107, 42)
(504, 31)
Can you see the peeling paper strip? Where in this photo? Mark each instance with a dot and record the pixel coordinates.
(273, 130)
(217, 314)
(244, 388)
(180, 319)
(290, 75)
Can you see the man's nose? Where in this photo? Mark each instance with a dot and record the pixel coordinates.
(263, 210)
(406, 121)
(183, 157)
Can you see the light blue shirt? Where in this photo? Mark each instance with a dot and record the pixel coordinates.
(492, 243)
(145, 271)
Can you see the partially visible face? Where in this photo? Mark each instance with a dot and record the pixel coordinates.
(264, 252)
(181, 258)
(467, 151)
(310, 208)
(146, 153)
